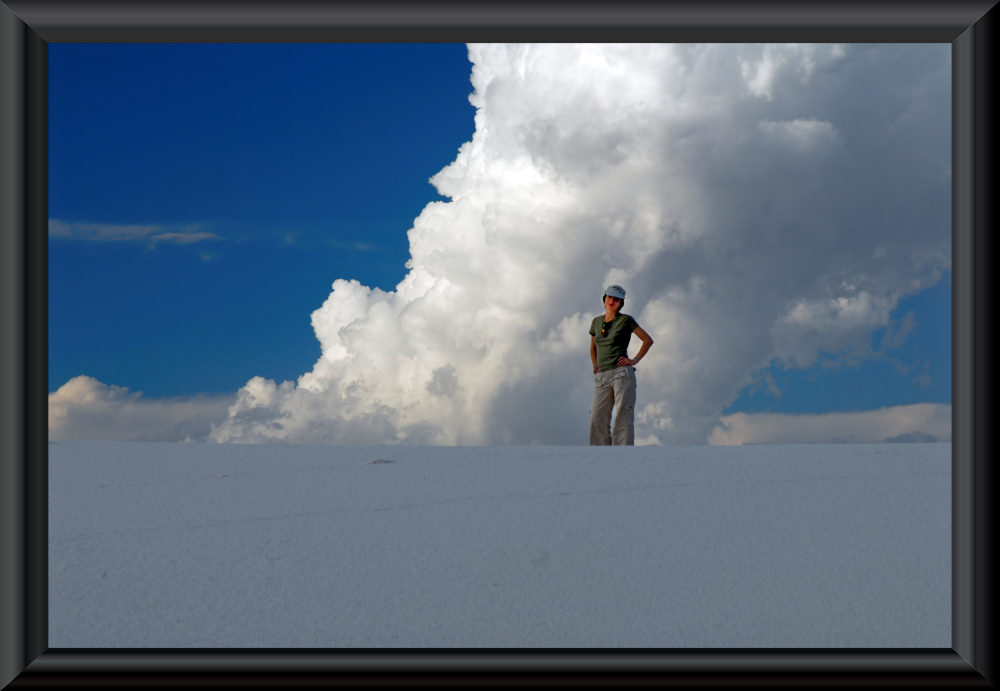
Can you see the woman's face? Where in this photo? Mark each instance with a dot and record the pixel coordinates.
(612, 302)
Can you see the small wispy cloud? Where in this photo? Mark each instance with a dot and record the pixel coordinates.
(151, 234)
(101, 232)
(915, 423)
(353, 245)
(186, 238)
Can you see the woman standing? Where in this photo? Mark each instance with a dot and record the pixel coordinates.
(614, 371)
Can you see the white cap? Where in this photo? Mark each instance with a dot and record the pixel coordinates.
(615, 291)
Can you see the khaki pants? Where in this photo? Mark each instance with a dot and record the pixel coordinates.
(613, 388)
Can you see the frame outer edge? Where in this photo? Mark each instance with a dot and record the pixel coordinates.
(984, 165)
(23, 344)
(15, 654)
(23, 52)
(493, 20)
(974, 168)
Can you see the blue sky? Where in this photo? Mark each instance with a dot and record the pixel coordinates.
(309, 162)
(203, 199)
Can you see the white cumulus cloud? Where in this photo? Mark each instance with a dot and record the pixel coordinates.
(86, 409)
(759, 203)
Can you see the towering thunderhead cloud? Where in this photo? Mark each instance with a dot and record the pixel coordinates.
(760, 203)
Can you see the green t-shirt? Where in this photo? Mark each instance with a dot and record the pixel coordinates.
(613, 343)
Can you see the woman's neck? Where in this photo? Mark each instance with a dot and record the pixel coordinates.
(609, 315)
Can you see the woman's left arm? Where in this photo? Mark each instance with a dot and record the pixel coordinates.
(647, 341)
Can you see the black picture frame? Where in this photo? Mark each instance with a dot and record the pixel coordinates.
(28, 26)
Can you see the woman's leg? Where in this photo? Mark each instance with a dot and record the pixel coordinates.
(600, 410)
(624, 392)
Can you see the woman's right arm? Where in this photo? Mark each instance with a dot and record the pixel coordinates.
(593, 353)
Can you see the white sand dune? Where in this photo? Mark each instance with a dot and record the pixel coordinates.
(212, 545)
